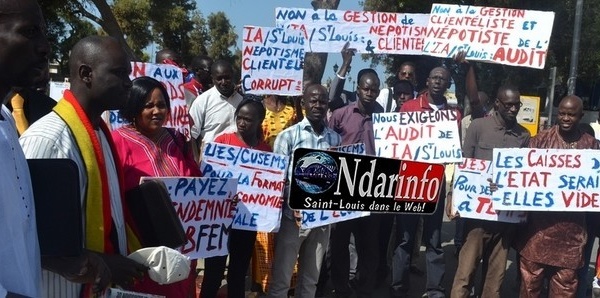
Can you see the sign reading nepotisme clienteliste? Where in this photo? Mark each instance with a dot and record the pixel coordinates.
(327, 180)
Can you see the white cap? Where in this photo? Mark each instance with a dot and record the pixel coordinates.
(166, 265)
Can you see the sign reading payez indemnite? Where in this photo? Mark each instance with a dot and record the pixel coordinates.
(327, 180)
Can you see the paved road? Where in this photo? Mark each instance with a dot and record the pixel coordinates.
(509, 288)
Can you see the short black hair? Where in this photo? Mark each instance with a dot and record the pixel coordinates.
(141, 89)
(365, 71)
(401, 85)
(254, 100)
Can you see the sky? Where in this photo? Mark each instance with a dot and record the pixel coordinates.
(262, 13)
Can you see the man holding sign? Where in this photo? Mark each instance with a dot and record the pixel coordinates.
(305, 245)
(552, 244)
(353, 122)
(488, 240)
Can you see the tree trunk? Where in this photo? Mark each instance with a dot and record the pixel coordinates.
(314, 63)
(111, 26)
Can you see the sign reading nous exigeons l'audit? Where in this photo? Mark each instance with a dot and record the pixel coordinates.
(327, 180)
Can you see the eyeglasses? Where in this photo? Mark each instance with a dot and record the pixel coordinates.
(406, 73)
(510, 105)
(438, 78)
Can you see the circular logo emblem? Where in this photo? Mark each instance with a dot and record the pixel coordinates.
(315, 172)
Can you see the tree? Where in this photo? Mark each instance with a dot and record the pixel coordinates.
(133, 16)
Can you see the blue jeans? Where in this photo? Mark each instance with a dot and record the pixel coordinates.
(434, 254)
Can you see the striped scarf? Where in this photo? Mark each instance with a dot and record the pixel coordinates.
(98, 213)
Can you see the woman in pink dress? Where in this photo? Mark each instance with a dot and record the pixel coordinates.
(249, 116)
(146, 148)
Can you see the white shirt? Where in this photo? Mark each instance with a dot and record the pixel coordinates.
(212, 113)
(50, 137)
(596, 127)
(20, 269)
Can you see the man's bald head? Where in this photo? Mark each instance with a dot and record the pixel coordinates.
(573, 101)
(570, 112)
(167, 54)
(88, 51)
(100, 72)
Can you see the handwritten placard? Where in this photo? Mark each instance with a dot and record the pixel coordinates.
(261, 179)
(500, 35)
(326, 31)
(546, 179)
(57, 89)
(430, 136)
(204, 206)
(471, 195)
(172, 78)
(272, 61)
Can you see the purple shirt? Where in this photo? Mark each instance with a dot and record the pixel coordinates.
(355, 127)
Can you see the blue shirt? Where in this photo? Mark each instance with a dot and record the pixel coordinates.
(302, 135)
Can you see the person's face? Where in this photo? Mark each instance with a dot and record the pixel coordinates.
(437, 82)
(314, 102)
(153, 115)
(203, 72)
(407, 72)
(24, 48)
(111, 77)
(509, 104)
(247, 121)
(402, 97)
(569, 115)
(223, 80)
(368, 90)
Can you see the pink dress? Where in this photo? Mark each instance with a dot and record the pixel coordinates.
(139, 156)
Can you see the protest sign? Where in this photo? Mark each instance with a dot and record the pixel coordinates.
(57, 89)
(204, 208)
(172, 78)
(491, 34)
(327, 31)
(261, 179)
(471, 195)
(328, 180)
(317, 218)
(272, 61)
(546, 179)
(430, 136)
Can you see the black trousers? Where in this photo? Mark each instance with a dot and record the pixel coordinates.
(241, 246)
(366, 236)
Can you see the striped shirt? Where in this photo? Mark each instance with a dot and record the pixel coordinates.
(50, 137)
(302, 135)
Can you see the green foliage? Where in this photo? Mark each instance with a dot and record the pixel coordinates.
(172, 24)
(133, 16)
(222, 36)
